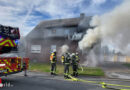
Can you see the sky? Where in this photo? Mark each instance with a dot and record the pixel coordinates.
(26, 14)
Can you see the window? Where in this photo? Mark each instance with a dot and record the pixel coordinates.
(53, 48)
(76, 36)
(67, 32)
(35, 48)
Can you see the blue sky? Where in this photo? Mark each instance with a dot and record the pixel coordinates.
(26, 14)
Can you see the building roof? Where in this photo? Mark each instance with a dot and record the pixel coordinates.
(68, 22)
(82, 21)
(59, 23)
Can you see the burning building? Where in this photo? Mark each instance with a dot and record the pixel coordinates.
(52, 34)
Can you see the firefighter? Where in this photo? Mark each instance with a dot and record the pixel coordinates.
(53, 63)
(75, 61)
(25, 69)
(66, 62)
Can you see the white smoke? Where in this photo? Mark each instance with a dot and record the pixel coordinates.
(89, 39)
(91, 59)
(63, 50)
(22, 47)
(112, 28)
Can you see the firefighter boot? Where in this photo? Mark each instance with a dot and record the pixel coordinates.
(65, 76)
(52, 73)
(76, 74)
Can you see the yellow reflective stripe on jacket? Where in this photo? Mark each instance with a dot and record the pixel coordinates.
(77, 58)
(62, 59)
(67, 63)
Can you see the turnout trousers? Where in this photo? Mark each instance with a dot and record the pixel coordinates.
(66, 70)
(53, 68)
(75, 70)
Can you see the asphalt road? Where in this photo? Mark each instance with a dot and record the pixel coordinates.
(40, 81)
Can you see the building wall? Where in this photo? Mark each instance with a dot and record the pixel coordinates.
(46, 44)
(55, 36)
(47, 38)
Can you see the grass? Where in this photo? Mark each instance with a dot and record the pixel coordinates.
(127, 65)
(91, 71)
(87, 71)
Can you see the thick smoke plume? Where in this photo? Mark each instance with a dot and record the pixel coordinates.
(63, 50)
(91, 59)
(113, 28)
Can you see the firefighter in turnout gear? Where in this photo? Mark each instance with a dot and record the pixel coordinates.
(53, 63)
(66, 61)
(75, 61)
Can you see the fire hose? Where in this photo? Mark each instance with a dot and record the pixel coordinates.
(103, 84)
(81, 67)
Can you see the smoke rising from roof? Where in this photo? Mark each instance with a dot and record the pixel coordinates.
(112, 28)
(63, 50)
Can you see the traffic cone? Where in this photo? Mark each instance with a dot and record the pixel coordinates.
(0, 81)
(1, 85)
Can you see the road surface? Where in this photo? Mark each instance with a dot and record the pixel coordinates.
(41, 81)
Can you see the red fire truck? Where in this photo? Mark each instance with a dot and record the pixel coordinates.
(9, 37)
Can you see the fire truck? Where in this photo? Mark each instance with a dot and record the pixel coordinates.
(9, 38)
